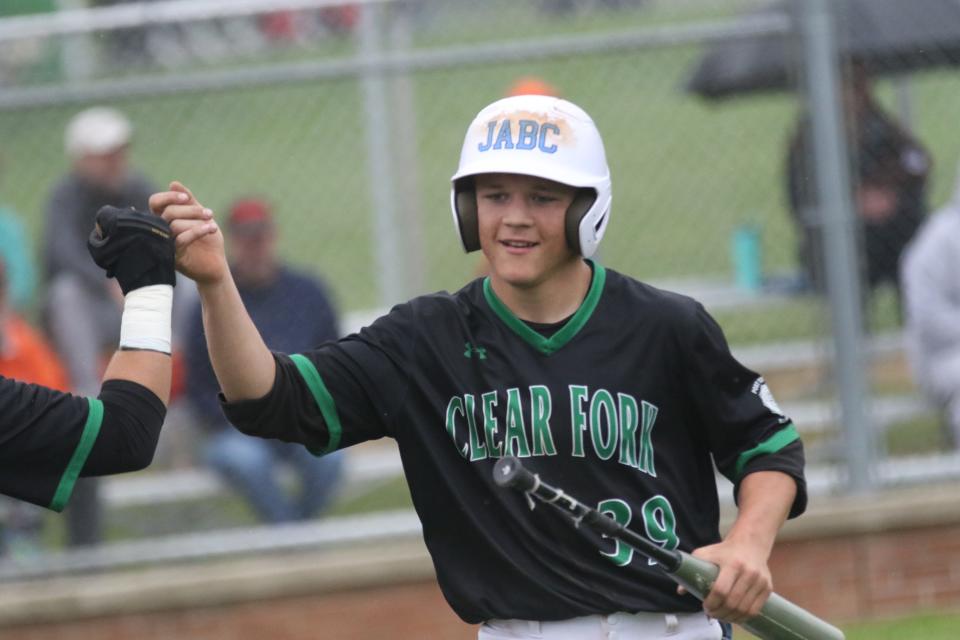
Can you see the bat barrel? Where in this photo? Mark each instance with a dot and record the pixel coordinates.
(780, 619)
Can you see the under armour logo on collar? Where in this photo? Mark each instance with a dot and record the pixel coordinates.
(471, 351)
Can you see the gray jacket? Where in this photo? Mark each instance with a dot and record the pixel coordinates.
(930, 276)
(70, 214)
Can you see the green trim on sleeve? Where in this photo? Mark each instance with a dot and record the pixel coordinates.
(771, 445)
(548, 346)
(324, 401)
(91, 429)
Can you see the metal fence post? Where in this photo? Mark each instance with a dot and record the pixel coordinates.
(380, 168)
(78, 58)
(403, 118)
(839, 241)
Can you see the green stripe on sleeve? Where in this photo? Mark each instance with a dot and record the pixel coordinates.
(771, 445)
(324, 400)
(79, 458)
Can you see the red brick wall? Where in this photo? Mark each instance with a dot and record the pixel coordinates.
(839, 577)
(872, 575)
(414, 611)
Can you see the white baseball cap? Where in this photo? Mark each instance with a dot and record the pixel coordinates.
(96, 131)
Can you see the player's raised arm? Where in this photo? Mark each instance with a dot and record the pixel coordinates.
(49, 438)
(244, 366)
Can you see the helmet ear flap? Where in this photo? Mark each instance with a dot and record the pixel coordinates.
(581, 204)
(465, 201)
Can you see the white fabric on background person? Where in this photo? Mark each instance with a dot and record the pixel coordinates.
(931, 292)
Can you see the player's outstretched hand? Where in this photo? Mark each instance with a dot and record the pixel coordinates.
(199, 242)
(743, 584)
(134, 247)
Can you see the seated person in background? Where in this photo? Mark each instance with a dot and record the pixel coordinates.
(82, 308)
(930, 277)
(293, 312)
(889, 170)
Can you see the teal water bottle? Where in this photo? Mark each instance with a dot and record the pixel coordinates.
(747, 255)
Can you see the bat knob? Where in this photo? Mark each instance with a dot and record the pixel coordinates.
(509, 472)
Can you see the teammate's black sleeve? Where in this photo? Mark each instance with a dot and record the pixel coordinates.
(132, 417)
(339, 394)
(49, 438)
(744, 428)
(45, 437)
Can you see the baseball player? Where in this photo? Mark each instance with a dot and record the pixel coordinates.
(49, 438)
(618, 391)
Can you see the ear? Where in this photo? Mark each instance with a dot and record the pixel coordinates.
(466, 203)
(582, 202)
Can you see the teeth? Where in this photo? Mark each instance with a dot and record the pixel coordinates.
(518, 244)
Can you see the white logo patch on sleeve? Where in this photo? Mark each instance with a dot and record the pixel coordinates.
(761, 389)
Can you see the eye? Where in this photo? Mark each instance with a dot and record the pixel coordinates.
(494, 196)
(543, 198)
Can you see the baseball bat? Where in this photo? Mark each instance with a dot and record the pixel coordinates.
(779, 619)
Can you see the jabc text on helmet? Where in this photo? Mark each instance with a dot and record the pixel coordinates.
(530, 135)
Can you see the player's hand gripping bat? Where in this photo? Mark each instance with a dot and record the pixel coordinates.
(779, 619)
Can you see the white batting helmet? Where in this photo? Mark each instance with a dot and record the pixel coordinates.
(538, 136)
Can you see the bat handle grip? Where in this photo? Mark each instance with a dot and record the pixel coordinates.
(510, 472)
(779, 618)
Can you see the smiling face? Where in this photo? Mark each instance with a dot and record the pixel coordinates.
(522, 228)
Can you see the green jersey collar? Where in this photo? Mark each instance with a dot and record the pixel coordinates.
(552, 344)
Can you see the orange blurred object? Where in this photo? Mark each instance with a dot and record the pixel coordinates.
(27, 357)
(532, 86)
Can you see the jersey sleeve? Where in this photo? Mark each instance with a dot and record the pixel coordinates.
(132, 418)
(744, 427)
(45, 439)
(339, 394)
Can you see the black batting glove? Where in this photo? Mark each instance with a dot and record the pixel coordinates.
(134, 247)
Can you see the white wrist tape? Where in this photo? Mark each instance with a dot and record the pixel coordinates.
(146, 321)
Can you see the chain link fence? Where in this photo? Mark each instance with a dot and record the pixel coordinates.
(348, 118)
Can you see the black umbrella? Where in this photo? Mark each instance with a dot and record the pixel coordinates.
(886, 36)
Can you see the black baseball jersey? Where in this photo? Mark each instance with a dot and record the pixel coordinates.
(623, 406)
(45, 439)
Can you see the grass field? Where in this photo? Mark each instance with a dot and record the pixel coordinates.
(927, 626)
(930, 626)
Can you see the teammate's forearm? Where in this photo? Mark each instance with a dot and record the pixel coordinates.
(151, 369)
(244, 365)
(137, 249)
(764, 501)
